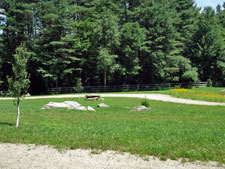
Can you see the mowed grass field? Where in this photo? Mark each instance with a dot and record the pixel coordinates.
(170, 130)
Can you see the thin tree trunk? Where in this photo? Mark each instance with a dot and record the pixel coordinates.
(105, 78)
(18, 113)
(57, 81)
(125, 11)
(126, 79)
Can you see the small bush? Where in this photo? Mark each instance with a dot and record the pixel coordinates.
(145, 103)
(209, 83)
(79, 86)
(177, 86)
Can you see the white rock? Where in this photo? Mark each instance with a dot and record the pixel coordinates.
(51, 105)
(89, 108)
(27, 95)
(74, 105)
(141, 108)
(102, 105)
(66, 104)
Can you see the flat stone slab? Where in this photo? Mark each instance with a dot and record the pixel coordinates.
(102, 105)
(141, 108)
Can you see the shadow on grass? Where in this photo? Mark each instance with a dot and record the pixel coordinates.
(6, 124)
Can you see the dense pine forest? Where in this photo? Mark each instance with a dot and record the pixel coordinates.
(112, 42)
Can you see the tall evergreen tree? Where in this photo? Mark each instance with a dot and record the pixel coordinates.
(108, 39)
(163, 40)
(178, 66)
(57, 44)
(154, 16)
(208, 47)
(16, 29)
(132, 39)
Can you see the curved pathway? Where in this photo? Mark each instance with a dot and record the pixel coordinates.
(158, 97)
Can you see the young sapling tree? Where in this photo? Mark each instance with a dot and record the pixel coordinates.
(19, 82)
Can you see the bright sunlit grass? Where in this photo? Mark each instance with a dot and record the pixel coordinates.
(205, 93)
(170, 130)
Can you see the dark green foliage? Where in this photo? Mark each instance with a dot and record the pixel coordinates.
(209, 83)
(155, 16)
(113, 42)
(145, 102)
(79, 86)
(179, 67)
(19, 83)
(106, 63)
(132, 40)
(1, 62)
(208, 49)
(17, 28)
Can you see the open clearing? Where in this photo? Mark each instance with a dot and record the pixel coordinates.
(170, 131)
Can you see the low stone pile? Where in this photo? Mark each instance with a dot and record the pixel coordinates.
(68, 105)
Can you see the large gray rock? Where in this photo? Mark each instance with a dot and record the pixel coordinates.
(66, 104)
(51, 105)
(140, 108)
(102, 105)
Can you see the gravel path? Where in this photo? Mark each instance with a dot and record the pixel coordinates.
(159, 97)
(20, 156)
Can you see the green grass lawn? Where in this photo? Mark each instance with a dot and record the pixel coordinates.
(168, 131)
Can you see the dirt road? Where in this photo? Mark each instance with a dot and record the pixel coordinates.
(159, 97)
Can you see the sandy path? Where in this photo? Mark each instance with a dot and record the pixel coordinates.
(159, 97)
(19, 156)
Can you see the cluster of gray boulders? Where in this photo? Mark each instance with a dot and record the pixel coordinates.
(77, 106)
(71, 105)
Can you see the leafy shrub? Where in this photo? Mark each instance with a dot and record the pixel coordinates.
(145, 102)
(79, 86)
(177, 86)
(209, 83)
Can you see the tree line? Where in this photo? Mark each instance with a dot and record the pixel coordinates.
(112, 42)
